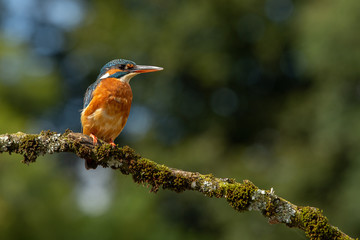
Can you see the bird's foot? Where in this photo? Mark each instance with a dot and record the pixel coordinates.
(94, 138)
(112, 143)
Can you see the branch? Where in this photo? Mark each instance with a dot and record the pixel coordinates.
(243, 196)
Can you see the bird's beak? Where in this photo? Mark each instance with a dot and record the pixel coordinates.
(145, 69)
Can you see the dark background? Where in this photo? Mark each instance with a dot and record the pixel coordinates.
(262, 90)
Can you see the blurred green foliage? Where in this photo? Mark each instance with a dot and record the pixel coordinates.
(262, 90)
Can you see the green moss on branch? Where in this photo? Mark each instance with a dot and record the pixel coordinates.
(243, 196)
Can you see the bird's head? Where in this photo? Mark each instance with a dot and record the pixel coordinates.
(124, 70)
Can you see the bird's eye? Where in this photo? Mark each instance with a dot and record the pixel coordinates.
(129, 66)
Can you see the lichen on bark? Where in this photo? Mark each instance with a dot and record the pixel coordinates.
(243, 196)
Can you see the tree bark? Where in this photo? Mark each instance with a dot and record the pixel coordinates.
(244, 196)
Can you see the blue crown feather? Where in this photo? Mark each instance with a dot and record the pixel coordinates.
(104, 69)
(114, 63)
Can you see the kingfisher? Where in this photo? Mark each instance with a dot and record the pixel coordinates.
(107, 101)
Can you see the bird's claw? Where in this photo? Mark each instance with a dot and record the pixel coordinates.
(94, 138)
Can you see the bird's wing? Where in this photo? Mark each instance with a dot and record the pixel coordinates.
(89, 92)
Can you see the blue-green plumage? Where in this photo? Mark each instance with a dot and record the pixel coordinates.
(117, 63)
(107, 101)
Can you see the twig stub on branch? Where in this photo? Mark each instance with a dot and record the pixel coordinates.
(243, 196)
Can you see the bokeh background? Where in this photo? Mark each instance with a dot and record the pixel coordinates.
(262, 90)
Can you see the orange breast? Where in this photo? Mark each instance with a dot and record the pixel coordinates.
(108, 111)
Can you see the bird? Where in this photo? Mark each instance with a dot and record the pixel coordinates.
(107, 101)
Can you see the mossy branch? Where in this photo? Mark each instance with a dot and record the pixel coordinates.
(243, 196)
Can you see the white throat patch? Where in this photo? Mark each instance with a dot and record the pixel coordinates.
(125, 78)
(128, 76)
